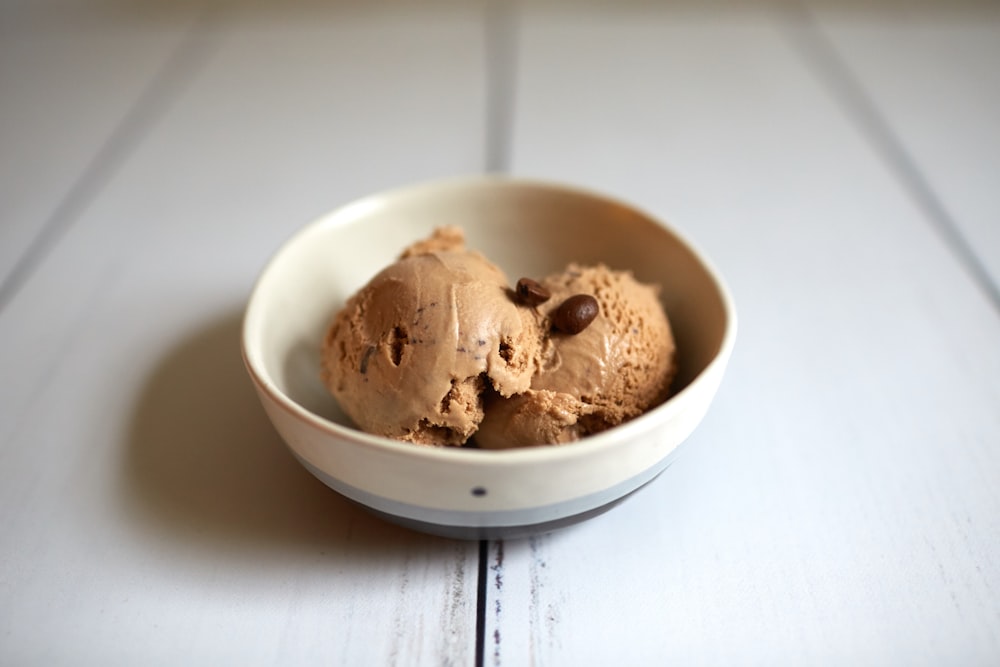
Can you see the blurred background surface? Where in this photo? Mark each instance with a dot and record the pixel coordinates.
(838, 161)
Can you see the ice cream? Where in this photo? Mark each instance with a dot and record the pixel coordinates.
(438, 349)
(411, 355)
(613, 370)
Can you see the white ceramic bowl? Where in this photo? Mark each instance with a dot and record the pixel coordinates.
(528, 229)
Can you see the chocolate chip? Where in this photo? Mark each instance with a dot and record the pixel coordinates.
(575, 314)
(531, 293)
(364, 359)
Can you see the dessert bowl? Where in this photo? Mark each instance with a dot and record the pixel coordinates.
(527, 228)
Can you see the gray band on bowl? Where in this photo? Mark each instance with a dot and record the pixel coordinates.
(495, 522)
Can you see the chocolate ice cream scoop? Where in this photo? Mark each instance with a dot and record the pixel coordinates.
(612, 370)
(411, 355)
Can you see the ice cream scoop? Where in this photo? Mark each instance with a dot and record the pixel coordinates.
(412, 354)
(613, 368)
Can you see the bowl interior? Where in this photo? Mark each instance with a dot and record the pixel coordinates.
(528, 229)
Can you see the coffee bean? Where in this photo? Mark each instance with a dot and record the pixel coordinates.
(530, 293)
(575, 314)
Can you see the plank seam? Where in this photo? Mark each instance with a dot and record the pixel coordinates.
(822, 57)
(179, 68)
(500, 53)
(501, 71)
(481, 603)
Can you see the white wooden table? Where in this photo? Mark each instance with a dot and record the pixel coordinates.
(839, 505)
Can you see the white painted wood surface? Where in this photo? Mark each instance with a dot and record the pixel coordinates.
(149, 512)
(932, 79)
(73, 87)
(839, 505)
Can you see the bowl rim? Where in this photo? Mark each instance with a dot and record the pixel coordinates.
(348, 212)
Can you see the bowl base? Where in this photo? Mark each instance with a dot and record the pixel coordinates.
(497, 532)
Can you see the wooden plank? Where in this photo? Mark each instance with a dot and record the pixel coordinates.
(838, 505)
(72, 86)
(149, 512)
(920, 68)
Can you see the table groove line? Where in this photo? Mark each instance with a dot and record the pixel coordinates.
(500, 53)
(820, 55)
(482, 575)
(178, 69)
(501, 79)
